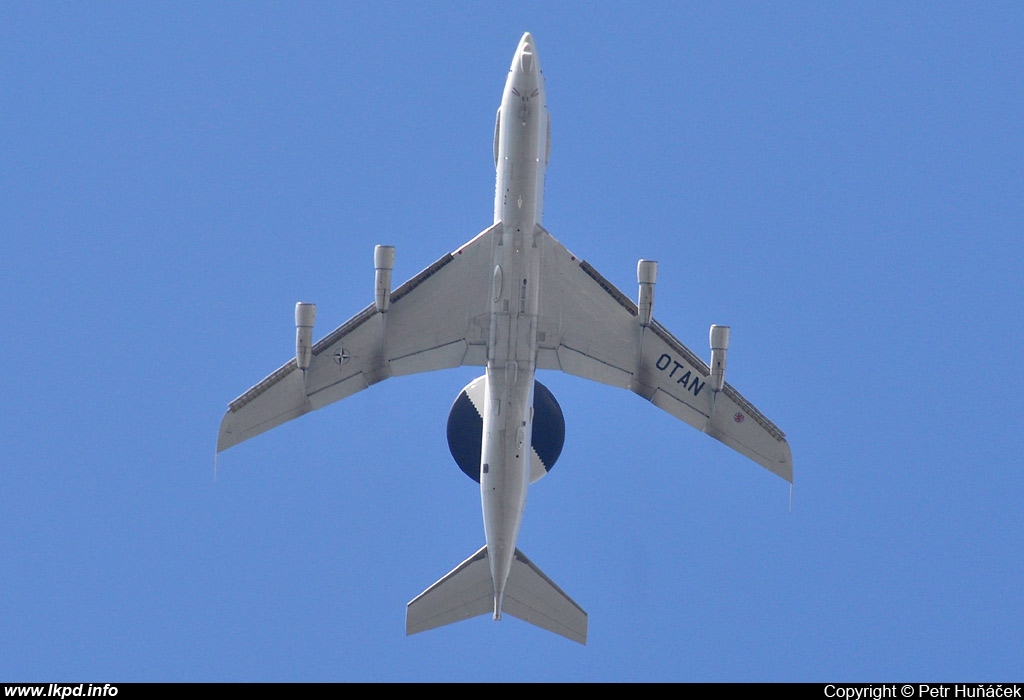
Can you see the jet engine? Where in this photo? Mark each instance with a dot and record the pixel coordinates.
(383, 264)
(466, 430)
(305, 317)
(719, 338)
(646, 275)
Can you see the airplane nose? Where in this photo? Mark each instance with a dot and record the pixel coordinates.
(526, 53)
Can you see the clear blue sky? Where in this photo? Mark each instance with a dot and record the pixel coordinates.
(840, 182)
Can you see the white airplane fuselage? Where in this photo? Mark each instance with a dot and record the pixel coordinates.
(522, 145)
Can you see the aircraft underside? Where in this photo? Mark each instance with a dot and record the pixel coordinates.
(512, 300)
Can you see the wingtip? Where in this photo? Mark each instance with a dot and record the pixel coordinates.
(225, 436)
(786, 471)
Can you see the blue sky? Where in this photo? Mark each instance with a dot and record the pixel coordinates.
(839, 182)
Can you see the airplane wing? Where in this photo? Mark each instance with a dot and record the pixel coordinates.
(436, 320)
(587, 327)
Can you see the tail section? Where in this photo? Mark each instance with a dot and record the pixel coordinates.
(533, 597)
(468, 591)
(465, 592)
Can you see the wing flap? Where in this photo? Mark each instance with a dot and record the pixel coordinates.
(338, 391)
(442, 357)
(590, 367)
(673, 406)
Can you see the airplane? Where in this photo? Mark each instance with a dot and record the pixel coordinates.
(513, 300)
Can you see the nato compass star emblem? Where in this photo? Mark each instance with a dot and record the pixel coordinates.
(342, 356)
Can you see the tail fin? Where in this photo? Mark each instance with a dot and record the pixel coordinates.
(468, 591)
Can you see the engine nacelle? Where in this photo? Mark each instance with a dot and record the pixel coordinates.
(466, 430)
(383, 263)
(646, 275)
(719, 345)
(305, 317)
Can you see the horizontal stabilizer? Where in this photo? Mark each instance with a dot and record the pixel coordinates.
(465, 592)
(533, 597)
(468, 591)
